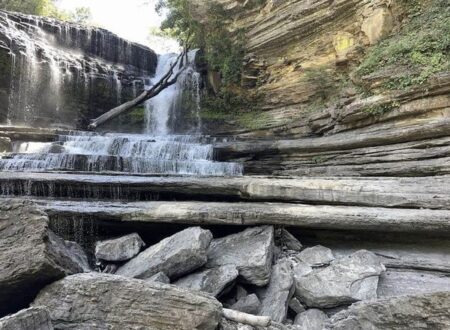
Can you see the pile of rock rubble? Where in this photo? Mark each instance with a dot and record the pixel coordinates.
(259, 278)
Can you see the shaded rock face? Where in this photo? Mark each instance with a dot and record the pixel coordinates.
(99, 301)
(213, 281)
(62, 74)
(35, 318)
(249, 304)
(175, 256)
(279, 292)
(429, 311)
(120, 249)
(345, 281)
(31, 256)
(251, 251)
(160, 277)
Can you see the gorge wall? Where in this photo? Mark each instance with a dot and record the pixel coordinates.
(55, 73)
(351, 80)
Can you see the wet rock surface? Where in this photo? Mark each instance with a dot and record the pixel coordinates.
(251, 251)
(35, 318)
(31, 255)
(119, 249)
(89, 301)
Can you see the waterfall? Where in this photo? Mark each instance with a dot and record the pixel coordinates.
(169, 104)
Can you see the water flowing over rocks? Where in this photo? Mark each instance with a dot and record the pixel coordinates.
(251, 251)
(119, 249)
(99, 301)
(31, 256)
(175, 256)
(35, 318)
(82, 71)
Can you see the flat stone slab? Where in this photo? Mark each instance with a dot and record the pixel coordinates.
(120, 249)
(100, 301)
(250, 251)
(418, 192)
(35, 318)
(422, 221)
(175, 256)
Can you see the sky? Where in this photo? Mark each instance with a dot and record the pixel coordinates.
(130, 19)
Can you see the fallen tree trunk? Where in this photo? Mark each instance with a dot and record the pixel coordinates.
(167, 80)
(248, 319)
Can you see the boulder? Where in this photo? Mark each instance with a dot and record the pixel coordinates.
(5, 145)
(316, 256)
(101, 301)
(31, 255)
(279, 292)
(286, 240)
(213, 281)
(160, 277)
(312, 319)
(345, 281)
(35, 318)
(249, 304)
(119, 249)
(424, 311)
(76, 252)
(251, 251)
(176, 255)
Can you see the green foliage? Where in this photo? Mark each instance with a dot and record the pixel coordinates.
(81, 15)
(422, 47)
(381, 109)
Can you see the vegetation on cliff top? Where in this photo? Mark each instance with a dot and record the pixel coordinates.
(420, 49)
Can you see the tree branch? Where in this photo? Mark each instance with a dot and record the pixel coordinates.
(165, 81)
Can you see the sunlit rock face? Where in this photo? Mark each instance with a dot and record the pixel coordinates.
(54, 73)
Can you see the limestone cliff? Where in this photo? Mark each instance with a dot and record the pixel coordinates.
(306, 60)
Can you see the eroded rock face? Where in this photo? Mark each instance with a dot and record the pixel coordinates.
(279, 292)
(251, 251)
(176, 255)
(428, 311)
(212, 281)
(312, 319)
(100, 301)
(31, 256)
(119, 249)
(345, 281)
(35, 318)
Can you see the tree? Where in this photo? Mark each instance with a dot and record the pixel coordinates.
(33, 7)
(81, 15)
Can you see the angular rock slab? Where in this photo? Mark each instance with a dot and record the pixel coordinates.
(31, 255)
(347, 280)
(119, 249)
(427, 311)
(212, 281)
(312, 319)
(175, 256)
(279, 292)
(35, 318)
(316, 256)
(100, 301)
(251, 251)
(160, 277)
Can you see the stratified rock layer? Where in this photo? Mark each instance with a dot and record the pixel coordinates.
(99, 301)
(31, 256)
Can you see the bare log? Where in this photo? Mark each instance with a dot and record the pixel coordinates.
(244, 318)
(167, 80)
